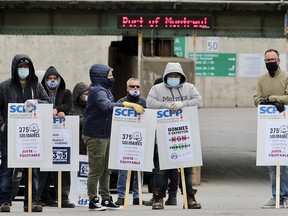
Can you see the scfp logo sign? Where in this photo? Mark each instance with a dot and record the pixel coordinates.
(58, 121)
(19, 109)
(168, 113)
(125, 112)
(269, 110)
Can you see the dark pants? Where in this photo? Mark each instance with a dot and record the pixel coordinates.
(44, 184)
(6, 180)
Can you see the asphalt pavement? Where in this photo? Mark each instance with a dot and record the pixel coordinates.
(231, 183)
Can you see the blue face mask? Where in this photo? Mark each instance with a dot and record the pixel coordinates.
(134, 93)
(173, 82)
(52, 84)
(23, 73)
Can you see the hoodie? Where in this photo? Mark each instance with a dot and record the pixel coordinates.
(161, 95)
(100, 104)
(62, 98)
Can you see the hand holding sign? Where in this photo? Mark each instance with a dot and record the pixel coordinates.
(30, 104)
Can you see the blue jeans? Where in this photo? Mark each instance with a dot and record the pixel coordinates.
(283, 181)
(121, 184)
(6, 180)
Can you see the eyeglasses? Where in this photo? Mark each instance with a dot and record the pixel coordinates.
(270, 60)
(134, 86)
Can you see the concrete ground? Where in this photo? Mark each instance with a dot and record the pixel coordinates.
(231, 183)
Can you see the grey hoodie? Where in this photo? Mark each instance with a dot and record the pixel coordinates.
(161, 95)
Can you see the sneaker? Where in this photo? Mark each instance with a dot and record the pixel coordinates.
(120, 201)
(35, 208)
(108, 203)
(5, 207)
(67, 204)
(94, 205)
(271, 204)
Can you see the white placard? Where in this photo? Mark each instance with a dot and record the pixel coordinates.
(253, 65)
(65, 144)
(178, 138)
(28, 133)
(132, 140)
(78, 192)
(272, 136)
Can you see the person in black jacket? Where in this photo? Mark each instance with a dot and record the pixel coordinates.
(133, 95)
(22, 87)
(80, 96)
(61, 98)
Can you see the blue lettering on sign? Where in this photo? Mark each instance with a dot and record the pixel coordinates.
(83, 201)
(19, 109)
(168, 113)
(268, 110)
(58, 121)
(125, 112)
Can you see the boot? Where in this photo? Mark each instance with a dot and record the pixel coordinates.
(158, 199)
(172, 199)
(192, 203)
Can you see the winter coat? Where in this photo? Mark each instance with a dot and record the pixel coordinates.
(63, 102)
(11, 90)
(78, 108)
(100, 104)
(161, 95)
(138, 100)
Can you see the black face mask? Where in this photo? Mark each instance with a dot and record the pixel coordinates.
(272, 67)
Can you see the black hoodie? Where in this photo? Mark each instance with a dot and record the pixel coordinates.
(11, 90)
(63, 101)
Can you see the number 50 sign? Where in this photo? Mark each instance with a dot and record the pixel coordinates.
(212, 44)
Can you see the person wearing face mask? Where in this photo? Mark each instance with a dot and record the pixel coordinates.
(96, 134)
(272, 88)
(22, 87)
(80, 97)
(133, 95)
(61, 98)
(173, 93)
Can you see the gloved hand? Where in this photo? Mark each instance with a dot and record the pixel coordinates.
(265, 100)
(177, 105)
(138, 108)
(280, 106)
(30, 104)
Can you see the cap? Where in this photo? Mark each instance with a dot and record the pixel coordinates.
(23, 61)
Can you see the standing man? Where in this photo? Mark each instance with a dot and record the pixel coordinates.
(173, 93)
(272, 88)
(61, 98)
(96, 134)
(133, 95)
(22, 87)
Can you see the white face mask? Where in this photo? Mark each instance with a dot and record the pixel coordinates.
(23, 73)
(86, 98)
(134, 93)
(173, 82)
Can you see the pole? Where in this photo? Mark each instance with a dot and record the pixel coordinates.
(139, 177)
(139, 55)
(127, 190)
(30, 190)
(59, 189)
(277, 186)
(184, 190)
